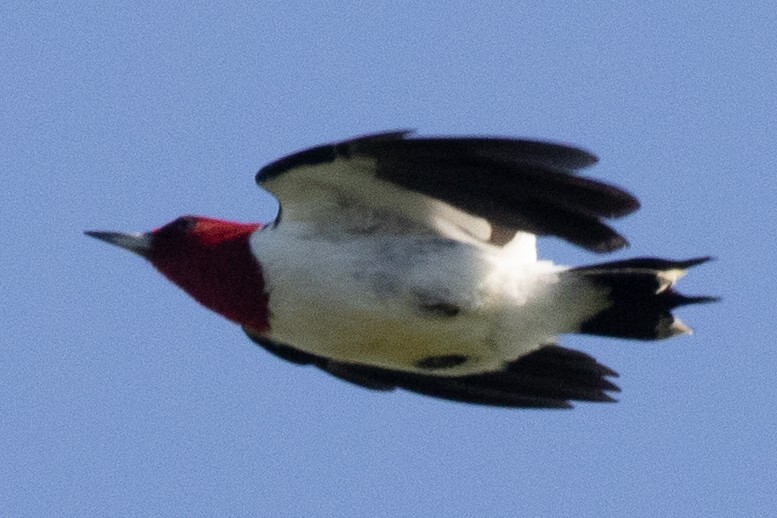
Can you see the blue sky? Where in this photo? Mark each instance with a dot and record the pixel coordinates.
(120, 396)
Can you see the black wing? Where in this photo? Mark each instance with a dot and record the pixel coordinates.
(547, 378)
(515, 185)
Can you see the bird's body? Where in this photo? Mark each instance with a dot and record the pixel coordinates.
(395, 294)
(399, 300)
(412, 263)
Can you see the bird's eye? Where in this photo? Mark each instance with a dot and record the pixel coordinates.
(180, 226)
(184, 224)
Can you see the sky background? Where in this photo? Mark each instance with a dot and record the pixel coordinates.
(120, 396)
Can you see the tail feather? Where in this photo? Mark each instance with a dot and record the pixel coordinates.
(641, 297)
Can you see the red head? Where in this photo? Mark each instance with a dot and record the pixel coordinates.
(208, 258)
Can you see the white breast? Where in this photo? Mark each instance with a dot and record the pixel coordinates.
(376, 298)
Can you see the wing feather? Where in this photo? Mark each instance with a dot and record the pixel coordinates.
(549, 377)
(512, 185)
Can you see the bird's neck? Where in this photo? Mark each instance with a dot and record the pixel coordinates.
(226, 278)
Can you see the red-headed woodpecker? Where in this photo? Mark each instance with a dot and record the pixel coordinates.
(403, 262)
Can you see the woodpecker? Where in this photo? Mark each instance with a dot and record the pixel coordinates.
(408, 262)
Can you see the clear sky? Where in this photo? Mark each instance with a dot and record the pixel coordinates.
(120, 396)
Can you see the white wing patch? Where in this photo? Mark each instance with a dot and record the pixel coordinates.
(522, 248)
(347, 195)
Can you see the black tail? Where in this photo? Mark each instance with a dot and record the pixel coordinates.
(642, 298)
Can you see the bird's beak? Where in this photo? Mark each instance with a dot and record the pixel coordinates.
(134, 242)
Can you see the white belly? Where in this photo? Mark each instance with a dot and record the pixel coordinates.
(387, 300)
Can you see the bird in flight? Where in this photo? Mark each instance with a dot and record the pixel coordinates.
(408, 262)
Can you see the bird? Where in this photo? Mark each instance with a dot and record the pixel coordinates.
(398, 261)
